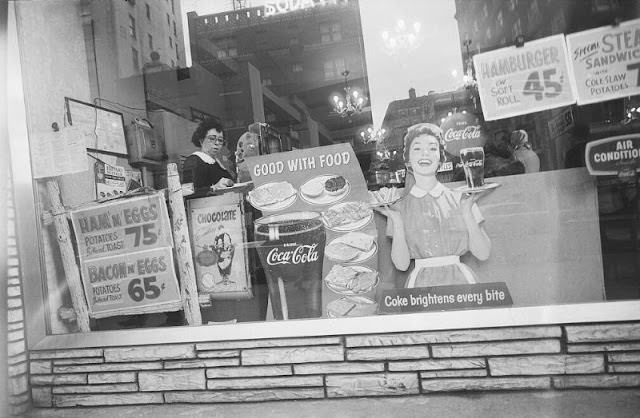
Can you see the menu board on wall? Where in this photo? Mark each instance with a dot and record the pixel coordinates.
(126, 257)
(605, 62)
(327, 181)
(105, 127)
(516, 81)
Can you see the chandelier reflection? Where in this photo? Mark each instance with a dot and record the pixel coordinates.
(352, 102)
(469, 78)
(402, 39)
(373, 135)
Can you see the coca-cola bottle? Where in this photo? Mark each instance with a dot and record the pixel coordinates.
(292, 255)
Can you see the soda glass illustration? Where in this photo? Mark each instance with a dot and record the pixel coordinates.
(291, 251)
(472, 160)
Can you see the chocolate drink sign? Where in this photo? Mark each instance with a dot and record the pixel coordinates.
(462, 130)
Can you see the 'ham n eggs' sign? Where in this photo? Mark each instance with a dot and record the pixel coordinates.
(126, 256)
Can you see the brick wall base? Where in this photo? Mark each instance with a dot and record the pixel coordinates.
(556, 357)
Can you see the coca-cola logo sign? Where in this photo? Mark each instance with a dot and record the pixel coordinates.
(302, 254)
(462, 130)
(475, 163)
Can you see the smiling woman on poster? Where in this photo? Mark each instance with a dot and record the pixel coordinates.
(433, 224)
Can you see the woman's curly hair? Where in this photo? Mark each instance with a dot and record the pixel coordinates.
(202, 129)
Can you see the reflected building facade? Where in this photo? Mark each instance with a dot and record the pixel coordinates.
(282, 66)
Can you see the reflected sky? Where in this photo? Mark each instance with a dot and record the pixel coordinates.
(430, 62)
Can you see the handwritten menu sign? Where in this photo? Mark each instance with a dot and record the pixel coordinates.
(614, 156)
(126, 257)
(58, 153)
(515, 81)
(217, 237)
(327, 180)
(606, 62)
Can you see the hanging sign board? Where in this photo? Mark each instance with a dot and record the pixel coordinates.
(126, 258)
(618, 155)
(218, 238)
(516, 81)
(605, 62)
(560, 123)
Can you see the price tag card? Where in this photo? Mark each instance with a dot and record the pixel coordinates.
(126, 259)
(515, 81)
(605, 62)
(122, 226)
(131, 283)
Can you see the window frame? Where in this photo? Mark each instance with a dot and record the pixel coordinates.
(132, 27)
(28, 229)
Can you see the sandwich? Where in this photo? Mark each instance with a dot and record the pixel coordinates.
(349, 246)
(351, 280)
(271, 193)
(346, 213)
(351, 306)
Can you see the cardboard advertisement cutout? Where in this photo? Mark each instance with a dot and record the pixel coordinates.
(325, 180)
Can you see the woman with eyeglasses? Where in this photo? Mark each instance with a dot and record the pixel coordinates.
(205, 168)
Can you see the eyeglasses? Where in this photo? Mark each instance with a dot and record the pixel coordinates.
(215, 138)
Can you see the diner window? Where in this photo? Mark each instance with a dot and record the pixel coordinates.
(333, 69)
(552, 229)
(517, 29)
(330, 32)
(135, 59)
(132, 27)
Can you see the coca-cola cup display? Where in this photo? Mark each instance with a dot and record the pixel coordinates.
(472, 160)
(292, 255)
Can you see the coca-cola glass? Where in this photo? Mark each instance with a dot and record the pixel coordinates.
(291, 253)
(472, 160)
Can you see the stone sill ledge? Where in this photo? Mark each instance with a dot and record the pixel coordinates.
(432, 321)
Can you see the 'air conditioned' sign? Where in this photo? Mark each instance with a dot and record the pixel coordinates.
(613, 156)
